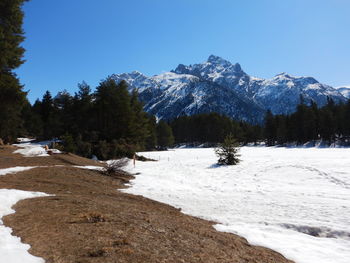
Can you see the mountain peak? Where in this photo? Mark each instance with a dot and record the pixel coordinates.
(237, 67)
(181, 69)
(218, 60)
(137, 73)
(283, 74)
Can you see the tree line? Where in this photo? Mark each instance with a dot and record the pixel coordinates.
(309, 123)
(330, 123)
(212, 128)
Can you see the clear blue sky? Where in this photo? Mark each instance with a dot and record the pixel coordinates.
(69, 41)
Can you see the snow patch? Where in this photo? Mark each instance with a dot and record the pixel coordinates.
(345, 91)
(89, 167)
(11, 248)
(30, 149)
(15, 169)
(22, 140)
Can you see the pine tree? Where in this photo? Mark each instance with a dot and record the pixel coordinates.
(12, 97)
(33, 125)
(281, 129)
(113, 109)
(228, 151)
(301, 121)
(165, 136)
(63, 105)
(139, 124)
(270, 129)
(151, 140)
(83, 111)
(347, 118)
(327, 124)
(50, 117)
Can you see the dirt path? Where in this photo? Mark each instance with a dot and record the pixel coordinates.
(89, 220)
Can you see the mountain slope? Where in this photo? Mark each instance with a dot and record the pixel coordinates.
(170, 95)
(345, 91)
(217, 85)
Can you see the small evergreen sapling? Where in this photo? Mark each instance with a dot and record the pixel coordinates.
(228, 151)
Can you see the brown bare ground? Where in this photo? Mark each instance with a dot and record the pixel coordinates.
(89, 220)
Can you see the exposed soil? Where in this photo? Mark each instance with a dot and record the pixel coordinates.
(89, 220)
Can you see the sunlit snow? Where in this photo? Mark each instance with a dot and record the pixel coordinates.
(89, 167)
(11, 248)
(345, 91)
(21, 140)
(15, 169)
(30, 149)
(293, 200)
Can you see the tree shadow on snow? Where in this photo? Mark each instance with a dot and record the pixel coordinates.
(215, 165)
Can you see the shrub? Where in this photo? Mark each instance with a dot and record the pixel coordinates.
(69, 143)
(102, 150)
(115, 167)
(84, 149)
(121, 148)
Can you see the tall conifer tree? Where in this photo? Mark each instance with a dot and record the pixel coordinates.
(12, 97)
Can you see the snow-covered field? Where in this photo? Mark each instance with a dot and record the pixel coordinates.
(293, 200)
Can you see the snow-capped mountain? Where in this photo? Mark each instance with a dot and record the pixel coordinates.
(345, 91)
(220, 86)
(171, 95)
(282, 93)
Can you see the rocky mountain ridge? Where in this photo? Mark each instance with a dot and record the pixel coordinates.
(217, 85)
